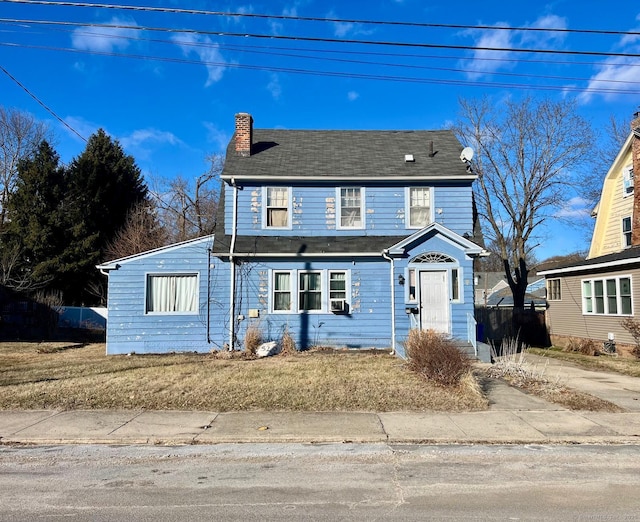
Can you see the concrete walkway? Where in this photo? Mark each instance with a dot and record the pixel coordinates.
(513, 417)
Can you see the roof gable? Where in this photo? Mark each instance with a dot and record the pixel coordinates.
(469, 247)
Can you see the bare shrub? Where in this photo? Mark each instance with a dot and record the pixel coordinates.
(511, 365)
(252, 339)
(435, 357)
(633, 327)
(583, 346)
(287, 343)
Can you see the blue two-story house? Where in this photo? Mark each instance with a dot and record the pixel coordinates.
(342, 238)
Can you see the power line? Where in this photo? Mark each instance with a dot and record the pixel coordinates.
(318, 19)
(48, 109)
(338, 60)
(380, 77)
(317, 39)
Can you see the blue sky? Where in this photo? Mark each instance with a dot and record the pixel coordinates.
(170, 97)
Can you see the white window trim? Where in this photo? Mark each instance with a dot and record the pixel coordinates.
(624, 234)
(339, 209)
(627, 180)
(295, 283)
(407, 207)
(289, 208)
(435, 267)
(169, 274)
(604, 296)
(293, 290)
(460, 298)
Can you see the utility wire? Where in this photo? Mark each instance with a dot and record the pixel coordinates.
(317, 39)
(320, 58)
(318, 19)
(406, 79)
(48, 109)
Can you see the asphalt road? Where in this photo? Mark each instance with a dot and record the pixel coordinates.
(320, 482)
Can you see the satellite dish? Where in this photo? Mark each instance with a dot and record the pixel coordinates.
(466, 155)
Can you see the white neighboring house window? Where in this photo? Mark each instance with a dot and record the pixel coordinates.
(277, 207)
(419, 206)
(173, 293)
(350, 207)
(627, 181)
(610, 296)
(626, 232)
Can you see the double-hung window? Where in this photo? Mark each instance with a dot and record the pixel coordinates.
(350, 207)
(626, 232)
(278, 207)
(174, 293)
(419, 206)
(310, 291)
(627, 181)
(610, 296)
(281, 291)
(295, 291)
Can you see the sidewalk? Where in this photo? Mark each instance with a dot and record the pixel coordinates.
(513, 417)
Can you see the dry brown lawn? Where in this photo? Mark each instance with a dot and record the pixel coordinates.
(624, 365)
(55, 376)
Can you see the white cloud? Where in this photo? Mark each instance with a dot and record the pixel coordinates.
(217, 137)
(544, 38)
(353, 95)
(104, 39)
(274, 86)
(207, 51)
(147, 136)
(574, 208)
(83, 127)
(484, 61)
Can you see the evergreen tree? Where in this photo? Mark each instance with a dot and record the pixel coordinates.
(104, 184)
(35, 231)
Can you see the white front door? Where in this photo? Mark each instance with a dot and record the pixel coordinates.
(434, 301)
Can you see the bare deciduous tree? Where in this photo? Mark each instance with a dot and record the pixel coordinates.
(187, 209)
(527, 153)
(20, 135)
(141, 232)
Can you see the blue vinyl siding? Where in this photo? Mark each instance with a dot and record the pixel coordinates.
(314, 209)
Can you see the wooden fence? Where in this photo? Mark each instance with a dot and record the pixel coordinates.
(496, 324)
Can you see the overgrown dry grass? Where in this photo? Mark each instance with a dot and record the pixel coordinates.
(623, 365)
(48, 376)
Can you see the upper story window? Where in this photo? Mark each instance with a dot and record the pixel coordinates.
(553, 290)
(174, 293)
(419, 203)
(627, 181)
(277, 207)
(626, 232)
(350, 207)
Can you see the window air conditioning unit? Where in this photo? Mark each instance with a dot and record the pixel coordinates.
(338, 305)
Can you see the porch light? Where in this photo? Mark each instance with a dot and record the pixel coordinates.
(401, 280)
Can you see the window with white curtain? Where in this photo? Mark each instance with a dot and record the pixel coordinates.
(278, 207)
(350, 209)
(172, 293)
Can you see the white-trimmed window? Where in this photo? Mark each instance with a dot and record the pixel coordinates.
(172, 293)
(419, 206)
(324, 291)
(277, 207)
(282, 291)
(455, 284)
(413, 296)
(626, 231)
(350, 207)
(309, 291)
(609, 296)
(627, 181)
(553, 290)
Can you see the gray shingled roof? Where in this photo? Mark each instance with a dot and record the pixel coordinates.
(348, 154)
(627, 256)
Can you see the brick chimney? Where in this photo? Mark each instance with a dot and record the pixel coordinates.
(244, 134)
(635, 155)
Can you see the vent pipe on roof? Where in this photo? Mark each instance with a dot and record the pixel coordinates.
(431, 153)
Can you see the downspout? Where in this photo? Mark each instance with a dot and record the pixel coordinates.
(232, 292)
(385, 254)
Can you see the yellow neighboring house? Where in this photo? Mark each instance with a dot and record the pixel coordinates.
(614, 212)
(590, 299)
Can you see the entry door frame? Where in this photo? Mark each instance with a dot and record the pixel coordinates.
(435, 300)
